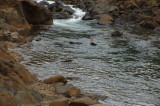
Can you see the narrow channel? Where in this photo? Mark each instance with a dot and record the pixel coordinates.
(126, 69)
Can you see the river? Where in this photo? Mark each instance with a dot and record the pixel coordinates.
(126, 69)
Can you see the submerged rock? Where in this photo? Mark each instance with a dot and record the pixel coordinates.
(71, 42)
(116, 33)
(157, 30)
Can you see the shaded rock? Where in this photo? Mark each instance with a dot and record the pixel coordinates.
(113, 8)
(105, 19)
(148, 24)
(157, 30)
(60, 11)
(85, 101)
(55, 79)
(61, 15)
(60, 102)
(35, 13)
(64, 89)
(6, 37)
(116, 33)
(44, 27)
(87, 16)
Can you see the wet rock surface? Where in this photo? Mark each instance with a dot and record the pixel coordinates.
(60, 11)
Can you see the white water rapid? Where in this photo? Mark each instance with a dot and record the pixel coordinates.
(75, 23)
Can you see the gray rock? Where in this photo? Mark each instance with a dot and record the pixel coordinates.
(64, 89)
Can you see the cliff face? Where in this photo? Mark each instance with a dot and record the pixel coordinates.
(11, 12)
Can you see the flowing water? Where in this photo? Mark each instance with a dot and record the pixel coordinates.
(126, 69)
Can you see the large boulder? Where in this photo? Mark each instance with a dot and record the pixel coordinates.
(105, 19)
(36, 13)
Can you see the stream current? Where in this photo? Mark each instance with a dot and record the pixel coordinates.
(126, 69)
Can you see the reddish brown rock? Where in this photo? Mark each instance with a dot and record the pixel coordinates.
(74, 91)
(105, 19)
(55, 79)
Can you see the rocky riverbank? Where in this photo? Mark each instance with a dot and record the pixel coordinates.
(17, 84)
(21, 88)
(141, 13)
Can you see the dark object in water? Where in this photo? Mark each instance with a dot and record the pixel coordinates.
(116, 34)
(75, 43)
(67, 60)
(92, 43)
